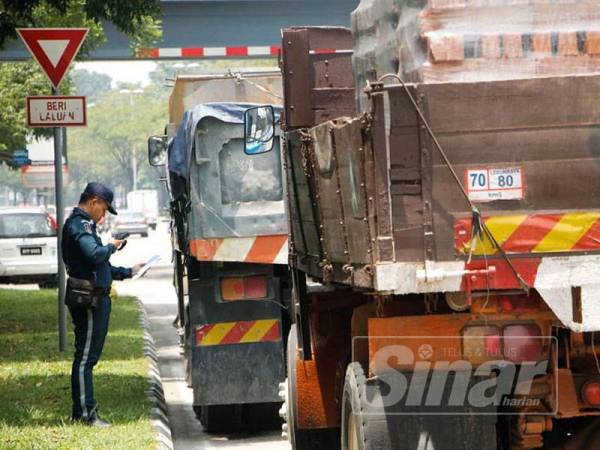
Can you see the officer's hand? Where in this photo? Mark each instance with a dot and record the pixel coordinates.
(136, 268)
(117, 243)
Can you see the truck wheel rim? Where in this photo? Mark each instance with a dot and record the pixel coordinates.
(351, 433)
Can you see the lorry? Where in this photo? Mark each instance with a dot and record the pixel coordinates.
(146, 202)
(450, 222)
(229, 238)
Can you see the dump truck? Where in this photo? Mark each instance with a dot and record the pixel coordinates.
(229, 238)
(444, 240)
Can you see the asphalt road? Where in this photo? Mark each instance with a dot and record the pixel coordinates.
(156, 292)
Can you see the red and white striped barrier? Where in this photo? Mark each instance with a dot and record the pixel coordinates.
(270, 51)
(209, 52)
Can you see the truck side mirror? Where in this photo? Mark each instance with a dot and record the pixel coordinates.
(259, 130)
(157, 150)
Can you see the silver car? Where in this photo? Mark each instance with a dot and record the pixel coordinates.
(132, 222)
(28, 247)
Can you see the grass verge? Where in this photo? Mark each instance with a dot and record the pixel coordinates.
(35, 399)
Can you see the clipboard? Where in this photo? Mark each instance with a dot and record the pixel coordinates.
(153, 260)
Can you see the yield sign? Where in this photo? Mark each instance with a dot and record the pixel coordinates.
(53, 48)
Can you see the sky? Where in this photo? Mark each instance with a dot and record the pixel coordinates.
(121, 71)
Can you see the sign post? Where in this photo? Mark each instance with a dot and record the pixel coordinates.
(60, 219)
(54, 50)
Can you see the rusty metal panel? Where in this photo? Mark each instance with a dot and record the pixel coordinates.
(548, 127)
(324, 98)
(319, 380)
(296, 85)
(381, 196)
(503, 124)
(334, 239)
(328, 69)
(318, 78)
(351, 160)
(515, 104)
(304, 227)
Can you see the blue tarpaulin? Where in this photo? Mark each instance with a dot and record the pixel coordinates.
(180, 147)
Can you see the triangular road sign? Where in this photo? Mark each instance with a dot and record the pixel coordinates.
(53, 48)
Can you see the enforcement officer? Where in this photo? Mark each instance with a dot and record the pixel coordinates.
(87, 259)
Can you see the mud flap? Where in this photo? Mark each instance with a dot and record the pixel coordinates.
(242, 373)
(406, 425)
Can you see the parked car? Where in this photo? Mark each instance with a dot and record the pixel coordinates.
(50, 209)
(132, 222)
(28, 247)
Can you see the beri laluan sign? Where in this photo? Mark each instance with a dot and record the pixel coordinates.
(56, 111)
(54, 50)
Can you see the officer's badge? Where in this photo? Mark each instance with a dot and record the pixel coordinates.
(87, 226)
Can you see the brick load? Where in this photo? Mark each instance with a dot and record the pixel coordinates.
(475, 40)
(507, 39)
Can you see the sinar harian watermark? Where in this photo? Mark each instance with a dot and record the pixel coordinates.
(441, 375)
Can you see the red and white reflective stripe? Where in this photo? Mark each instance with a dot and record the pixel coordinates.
(328, 51)
(255, 249)
(558, 279)
(209, 52)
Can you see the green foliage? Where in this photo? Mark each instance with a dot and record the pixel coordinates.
(17, 81)
(35, 386)
(90, 84)
(119, 125)
(137, 18)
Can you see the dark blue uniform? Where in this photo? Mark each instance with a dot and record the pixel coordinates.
(86, 258)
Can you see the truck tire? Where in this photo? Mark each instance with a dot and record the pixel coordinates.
(220, 418)
(302, 439)
(261, 416)
(364, 427)
(354, 423)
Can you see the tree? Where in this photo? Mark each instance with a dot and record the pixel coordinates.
(11, 179)
(136, 18)
(91, 84)
(119, 125)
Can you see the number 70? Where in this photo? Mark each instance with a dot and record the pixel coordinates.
(478, 179)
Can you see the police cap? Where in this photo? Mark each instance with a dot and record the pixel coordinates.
(99, 190)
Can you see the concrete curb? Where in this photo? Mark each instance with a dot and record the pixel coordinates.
(155, 393)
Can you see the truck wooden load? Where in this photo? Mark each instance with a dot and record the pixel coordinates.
(229, 234)
(453, 224)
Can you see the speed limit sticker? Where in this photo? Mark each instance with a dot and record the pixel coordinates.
(489, 184)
